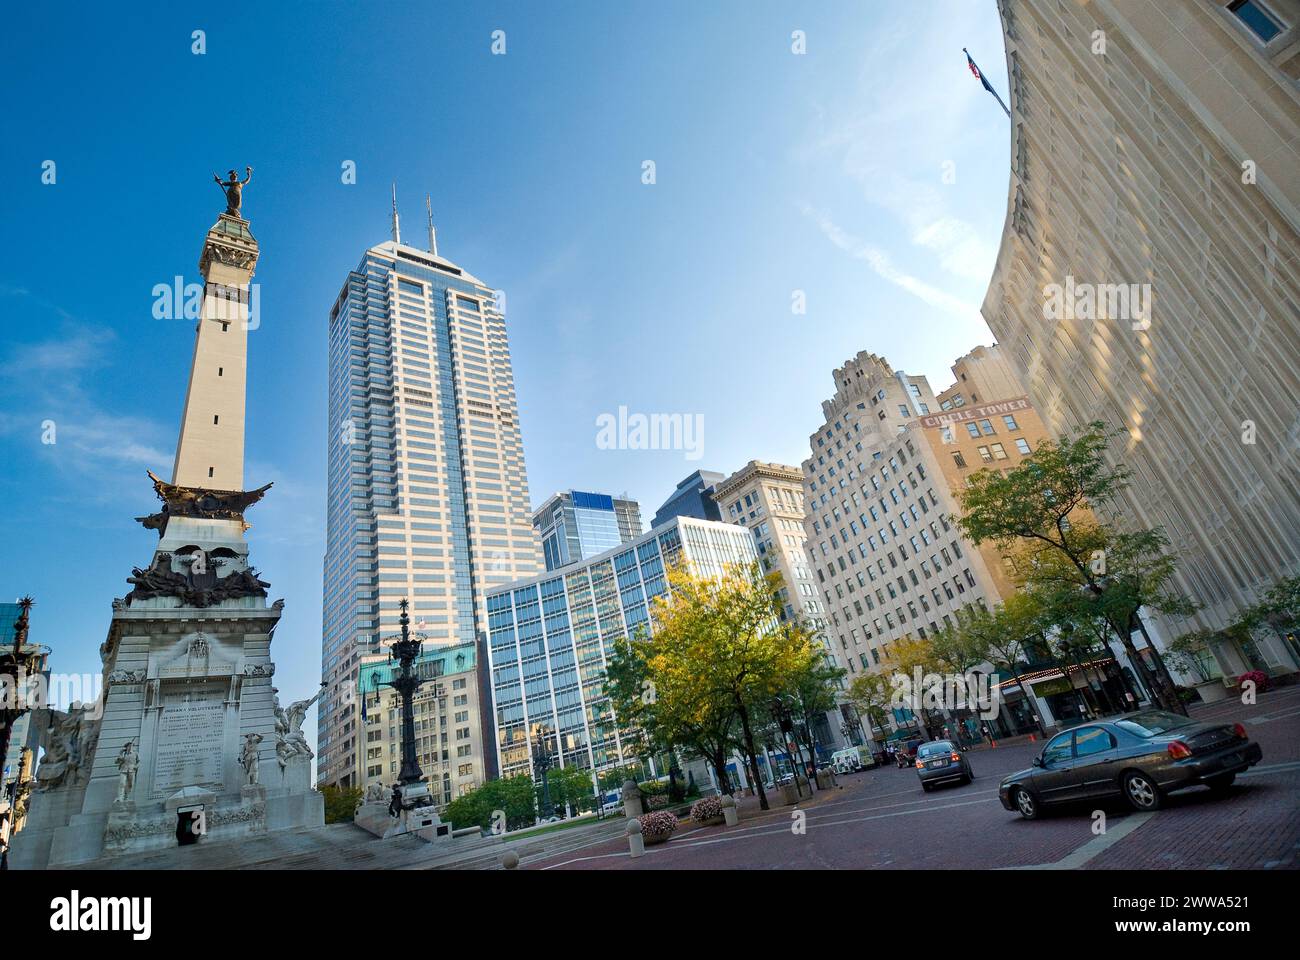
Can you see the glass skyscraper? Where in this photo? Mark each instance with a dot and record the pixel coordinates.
(574, 525)
(428, 495)
(549, 639)
(692, 498)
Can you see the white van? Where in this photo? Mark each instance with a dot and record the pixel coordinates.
(846, 761)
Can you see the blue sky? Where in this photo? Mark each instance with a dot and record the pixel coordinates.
(775, 173)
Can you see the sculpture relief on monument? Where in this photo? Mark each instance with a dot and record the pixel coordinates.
(188, 713)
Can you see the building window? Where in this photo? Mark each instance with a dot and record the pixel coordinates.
(985, 455)
(1010, 422)
(973, 429)
(999, 452)
(1259, 20)
(958, 459)
(1023, 446)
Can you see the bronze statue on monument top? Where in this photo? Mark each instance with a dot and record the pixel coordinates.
(234, 190)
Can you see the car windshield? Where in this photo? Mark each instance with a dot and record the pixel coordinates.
(1151, 723)
(931, 749)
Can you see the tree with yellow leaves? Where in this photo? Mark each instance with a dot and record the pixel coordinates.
(718, 646)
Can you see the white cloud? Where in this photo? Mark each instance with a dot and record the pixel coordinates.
(904, 126)
(879, 261)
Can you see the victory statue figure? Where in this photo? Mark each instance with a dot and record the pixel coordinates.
(234, 190)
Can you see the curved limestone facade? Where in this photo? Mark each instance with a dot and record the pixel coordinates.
(1148, 273)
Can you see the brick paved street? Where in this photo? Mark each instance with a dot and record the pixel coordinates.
(882, 819)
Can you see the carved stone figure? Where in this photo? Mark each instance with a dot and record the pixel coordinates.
(290, 740)
(128, 762)
(193, 590)
(248, 759)
(234, 190)
(126, 676)
(65, 749)
(376, 793)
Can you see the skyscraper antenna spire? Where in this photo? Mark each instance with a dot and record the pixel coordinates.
(433, 235)
(397, 228)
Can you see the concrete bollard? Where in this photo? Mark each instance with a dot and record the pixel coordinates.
(635, 843)
(510, 860)
(632, 807)
(729, 812)
(789, 794)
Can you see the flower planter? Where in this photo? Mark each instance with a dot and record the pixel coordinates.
(707, 812)
(657, 827)
(1212, 691)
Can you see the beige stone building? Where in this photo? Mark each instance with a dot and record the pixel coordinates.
(889, 561)
(447, 732)
(427, 488)
(981, 376)
(768, 499)
(1148, 270)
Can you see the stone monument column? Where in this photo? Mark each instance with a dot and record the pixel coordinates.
(210, 451)
(177, 751)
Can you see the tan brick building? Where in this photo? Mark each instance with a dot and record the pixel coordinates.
(995, 435)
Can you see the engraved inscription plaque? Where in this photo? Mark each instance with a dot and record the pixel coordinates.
(191, 737)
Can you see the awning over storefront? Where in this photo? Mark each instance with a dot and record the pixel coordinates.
(1051, 673)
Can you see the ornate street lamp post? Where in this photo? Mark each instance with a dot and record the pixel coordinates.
(411, 790)
(543, 760)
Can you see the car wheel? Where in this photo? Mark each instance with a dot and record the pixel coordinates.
(967, 779)
(1027, 804)
(1222, 783)
(1141, 792)
(926, 787)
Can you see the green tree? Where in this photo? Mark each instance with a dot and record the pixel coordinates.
(811, 692)
(958, 653)
(572, 785)
(1004, 635)
(718, 646)
(1039, 515)
(1190, 653)
(1279, 606)
(1279, 610)
(340, 803)
(613, 778)
(514, 796)
(870, 693)
(663, 711)
(905, 658)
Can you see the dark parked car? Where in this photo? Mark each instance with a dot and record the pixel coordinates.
(1140, 756)
(906, 752)
(940, 761)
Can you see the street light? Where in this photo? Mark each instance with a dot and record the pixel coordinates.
(411, 790)
(543, 760)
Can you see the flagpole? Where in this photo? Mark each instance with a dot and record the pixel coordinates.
(984, 80)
